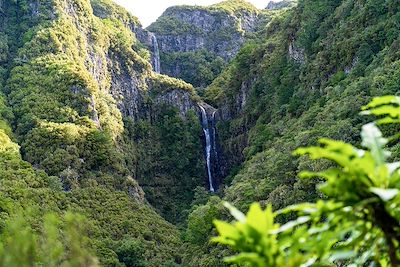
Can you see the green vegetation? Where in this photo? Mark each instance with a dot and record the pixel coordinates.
(108, 9)
(198, 68)
(357, 223)
(164, 84)
(113, 218)
(289, 103)
(170, 164)
(173, 26)
(235, 7)
(275, 5)
(20, 246)
(306, 77)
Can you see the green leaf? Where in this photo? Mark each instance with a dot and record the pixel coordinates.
(246, 257)
(223, 241)
(258, 219)
(372, 139)
(342, 255)
(306, 208)
(388, 120)
(389, 110)
(386, 106)
(290, 225)
(382, 100)
(226, 230)
(237, 214)
(385, 194)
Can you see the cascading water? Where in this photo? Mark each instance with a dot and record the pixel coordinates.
(155, 61)
(214, 128)
(210, 141)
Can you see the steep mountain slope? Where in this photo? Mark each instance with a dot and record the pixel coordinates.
(92, 119)
(113, 218)
(196, 42)
(306, 78)
(87, 104)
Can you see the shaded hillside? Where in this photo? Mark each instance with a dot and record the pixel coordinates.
(306, 78)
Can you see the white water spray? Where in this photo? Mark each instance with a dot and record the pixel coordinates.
(206, 131)
(155, 54)
(214, 135)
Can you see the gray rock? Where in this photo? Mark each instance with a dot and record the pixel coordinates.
(296, 53)
(349, 68)
(132, 187)
(229, 110)
(194, 28)
(217, 31)
(178, 98)
(127, 88)
(150, 40)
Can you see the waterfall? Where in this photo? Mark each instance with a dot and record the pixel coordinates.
(210, 144)
(155, 57)
(214, 128)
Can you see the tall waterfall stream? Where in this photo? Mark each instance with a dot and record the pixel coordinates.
(209, 130)
(155, 61)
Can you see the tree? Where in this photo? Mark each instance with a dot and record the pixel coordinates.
(130, 252)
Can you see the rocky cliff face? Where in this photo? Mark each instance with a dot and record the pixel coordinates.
(105, 10)
(147, 97)
(233, 144)
(185, 32)
(130, 86)
(150, 40)
(154, 101)
(215, 30)
(180, 99)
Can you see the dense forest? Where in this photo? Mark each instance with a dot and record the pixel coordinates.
(129, 146)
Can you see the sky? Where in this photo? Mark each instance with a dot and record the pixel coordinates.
(149, 10)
